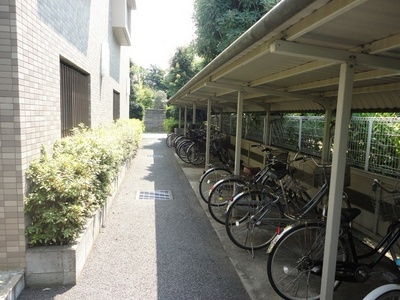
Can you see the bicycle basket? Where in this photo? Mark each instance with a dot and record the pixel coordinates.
(303, 173)
(388, 203)
(319, 177)
(281, 157)
(224, 142)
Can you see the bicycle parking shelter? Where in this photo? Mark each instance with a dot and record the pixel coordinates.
(330, 56)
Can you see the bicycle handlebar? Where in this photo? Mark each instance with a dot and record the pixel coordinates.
(378, 183)
(264, 148)
(305, 157)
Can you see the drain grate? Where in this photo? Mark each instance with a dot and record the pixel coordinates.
(155, 155)
(154, 195)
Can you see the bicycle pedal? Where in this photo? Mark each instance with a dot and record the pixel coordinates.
(390, 277)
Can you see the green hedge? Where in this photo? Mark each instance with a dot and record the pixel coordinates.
(70, 185)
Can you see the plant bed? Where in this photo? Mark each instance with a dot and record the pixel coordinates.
(53, 265)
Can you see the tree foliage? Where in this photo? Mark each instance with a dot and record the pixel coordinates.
(154, 78)
(147, 89)
(220, 22)
(159, 99)
(183, 67)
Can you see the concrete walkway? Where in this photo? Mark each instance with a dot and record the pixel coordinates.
(170, 248)
(154, 249)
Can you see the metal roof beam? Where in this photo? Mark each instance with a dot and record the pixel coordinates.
(335, 80)
(369, 89)
(331, 10)
(298, 70)
(386, 44)
(339, 56)
(259, 92)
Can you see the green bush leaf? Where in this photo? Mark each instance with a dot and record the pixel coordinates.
(70, 185)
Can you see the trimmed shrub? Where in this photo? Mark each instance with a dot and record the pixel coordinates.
(70, 185)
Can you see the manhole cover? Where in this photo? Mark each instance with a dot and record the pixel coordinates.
(154, 195)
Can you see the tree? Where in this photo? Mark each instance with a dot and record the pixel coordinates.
(220, 22)
(159, 100)
(154, 78)
(184, 66)
(145, 97)
(136, 74)
(135, 111)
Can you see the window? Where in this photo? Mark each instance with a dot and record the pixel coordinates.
(116, 106)
(74, 97)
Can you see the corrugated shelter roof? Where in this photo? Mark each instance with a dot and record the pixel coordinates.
(290, 59)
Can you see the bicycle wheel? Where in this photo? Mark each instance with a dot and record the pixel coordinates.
(221, 194)
(194, 154)
(182, 150)
(253, 220)
(385, 292)
(170, 139)
(211, 177)
(297, 195)
(295, 262)
(225, 156)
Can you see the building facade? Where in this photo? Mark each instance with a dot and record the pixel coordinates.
(62, 63)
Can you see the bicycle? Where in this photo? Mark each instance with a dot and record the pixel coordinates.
(223, 191)
(217, 173)
(169, 140)
(295, 256)
(196, 152)
(254, 218)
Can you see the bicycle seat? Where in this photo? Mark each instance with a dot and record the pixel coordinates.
(349, 214)
(278, 174)
(251, 170)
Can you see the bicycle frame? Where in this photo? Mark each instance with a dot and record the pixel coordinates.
(389, 239)
(288, 219)
(354, 271)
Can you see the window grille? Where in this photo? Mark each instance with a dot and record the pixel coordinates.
(74, 97)
(116, 105)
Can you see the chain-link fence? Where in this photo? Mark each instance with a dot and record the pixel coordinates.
(373, 144)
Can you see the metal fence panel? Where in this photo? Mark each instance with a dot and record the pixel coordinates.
(373, 144)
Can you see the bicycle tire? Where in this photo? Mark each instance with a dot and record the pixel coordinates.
(221, 194)
(385, 292)
(182, 150)
(251, 220)
(211, 177)
(178, 139)
(225, 156)
(194, 155)
(170, 139)
(296, 258)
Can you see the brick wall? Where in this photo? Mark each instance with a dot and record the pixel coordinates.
(34, 36)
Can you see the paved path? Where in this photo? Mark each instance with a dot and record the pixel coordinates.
(154, 249)
(170, 249)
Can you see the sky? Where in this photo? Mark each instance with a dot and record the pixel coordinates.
(158, 28)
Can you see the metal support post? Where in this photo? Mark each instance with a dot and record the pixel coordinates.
(343, 112)
(208, 134)
(238, 142)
